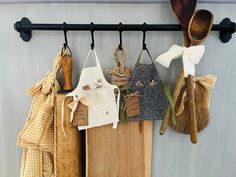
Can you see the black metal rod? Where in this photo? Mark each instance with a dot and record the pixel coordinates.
(112, 27)
(25, 27)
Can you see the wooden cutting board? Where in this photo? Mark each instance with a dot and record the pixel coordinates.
(122, 152)
(68, 149)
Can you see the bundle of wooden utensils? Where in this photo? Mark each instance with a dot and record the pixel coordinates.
(191, 94)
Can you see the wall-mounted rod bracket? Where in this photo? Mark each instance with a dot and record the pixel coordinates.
(25, 34)
(25, 27)
(225, 36)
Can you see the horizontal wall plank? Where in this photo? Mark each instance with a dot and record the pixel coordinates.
(106, 1)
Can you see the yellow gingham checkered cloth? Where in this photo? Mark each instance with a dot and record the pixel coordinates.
(37, 136)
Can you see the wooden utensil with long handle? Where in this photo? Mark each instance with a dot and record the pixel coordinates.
(183, 9)
(67, 72)
(178, 85)
(191, 107)
(199, 27)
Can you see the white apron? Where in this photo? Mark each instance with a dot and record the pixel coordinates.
(100, 98)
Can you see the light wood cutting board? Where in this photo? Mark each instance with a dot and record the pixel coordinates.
(68, 161)
(122, 152)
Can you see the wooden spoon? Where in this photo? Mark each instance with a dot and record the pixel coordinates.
(199, 26)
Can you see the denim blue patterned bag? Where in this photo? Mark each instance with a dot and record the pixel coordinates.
(146, 82)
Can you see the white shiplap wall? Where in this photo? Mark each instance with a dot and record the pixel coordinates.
(22, 64)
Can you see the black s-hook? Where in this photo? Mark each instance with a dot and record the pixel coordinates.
(144, 35)
(92, 34)
(65, 45)
(65, 36)
(120, 33)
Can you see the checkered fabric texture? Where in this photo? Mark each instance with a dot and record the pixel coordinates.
(37, 136)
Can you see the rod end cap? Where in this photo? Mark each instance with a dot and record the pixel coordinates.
(225, 36)
(24, 34)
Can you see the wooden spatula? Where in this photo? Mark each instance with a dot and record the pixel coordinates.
(184, 10)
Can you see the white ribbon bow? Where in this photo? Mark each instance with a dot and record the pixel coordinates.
(73, 105)
(191, 56)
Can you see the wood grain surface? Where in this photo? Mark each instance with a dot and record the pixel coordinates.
(68, 149)
(66, 65)
(122, 152)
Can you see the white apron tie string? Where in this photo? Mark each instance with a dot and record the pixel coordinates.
(73, 105)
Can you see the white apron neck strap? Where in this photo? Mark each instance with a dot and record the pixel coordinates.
(62, 111)
(96, 58)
